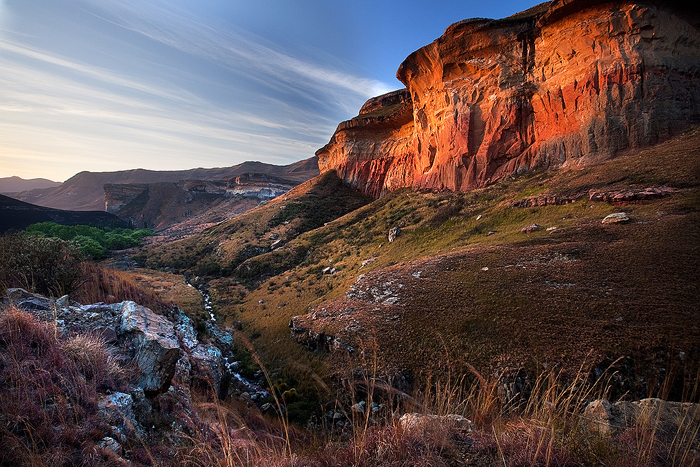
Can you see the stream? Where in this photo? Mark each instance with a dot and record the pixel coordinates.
(256, 392)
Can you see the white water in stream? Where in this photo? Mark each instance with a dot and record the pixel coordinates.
(230, 365)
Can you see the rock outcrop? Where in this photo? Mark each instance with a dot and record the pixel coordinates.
(564, 84)
(666, 418)
(156, 344)
(119, 195)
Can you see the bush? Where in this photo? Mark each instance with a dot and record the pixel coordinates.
(49, 266)
(90, 246)
(92, 240)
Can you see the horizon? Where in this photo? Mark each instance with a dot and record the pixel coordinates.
(105, 86)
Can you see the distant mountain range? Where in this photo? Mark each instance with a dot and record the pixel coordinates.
(17, 184)
(85, 190)
(17, 215)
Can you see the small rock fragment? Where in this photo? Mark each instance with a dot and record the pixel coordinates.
(616, 217)
(393, 233)
(530, 228)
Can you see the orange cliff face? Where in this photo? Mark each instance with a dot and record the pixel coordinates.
(566, 84)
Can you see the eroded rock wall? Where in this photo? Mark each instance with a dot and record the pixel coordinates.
(564, 84)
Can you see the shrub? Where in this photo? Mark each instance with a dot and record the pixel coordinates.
(93, 241)
(49, 266)
(90, 246)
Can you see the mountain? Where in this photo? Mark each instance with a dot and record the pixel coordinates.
(17, 184)
(564, 84)
(491, 244)
(506, 278)
(17, 215)
(185, 206)
(85, 190)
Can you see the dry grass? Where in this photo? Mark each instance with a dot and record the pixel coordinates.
(48, 389)
(101, 284)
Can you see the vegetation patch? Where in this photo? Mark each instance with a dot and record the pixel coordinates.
(93, 241)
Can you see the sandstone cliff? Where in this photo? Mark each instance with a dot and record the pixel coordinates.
(566, 83)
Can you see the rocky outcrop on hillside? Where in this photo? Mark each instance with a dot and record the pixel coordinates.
(161, 362)
(158, 345)
(119, 195)
(565, 84)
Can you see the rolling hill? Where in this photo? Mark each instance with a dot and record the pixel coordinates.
(17, 184)
(17, 215)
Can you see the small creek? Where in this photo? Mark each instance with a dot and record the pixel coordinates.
(257, 393)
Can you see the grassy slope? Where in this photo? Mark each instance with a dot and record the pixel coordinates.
(644, 271)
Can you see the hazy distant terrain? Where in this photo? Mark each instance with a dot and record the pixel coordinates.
(17, 184)
(85, 190)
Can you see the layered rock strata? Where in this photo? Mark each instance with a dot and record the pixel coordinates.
(567, 83)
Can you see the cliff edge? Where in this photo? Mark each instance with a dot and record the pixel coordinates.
(564, 84)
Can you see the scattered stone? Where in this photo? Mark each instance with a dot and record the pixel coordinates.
(491, 232)
(416, 421)
(549, 229)
(485, 268)
(393, 233)
(530, 228)
(665, 418)
(367, 261)
(274, 236)
(615, 218)
(479, 217)
(359, 407)
(110, 443)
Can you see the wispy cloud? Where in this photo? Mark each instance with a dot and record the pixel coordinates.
(136, 108)
(239, 50)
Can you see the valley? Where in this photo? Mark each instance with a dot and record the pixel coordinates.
(497, 265)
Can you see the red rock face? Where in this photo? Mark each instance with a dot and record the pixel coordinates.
(562, 85)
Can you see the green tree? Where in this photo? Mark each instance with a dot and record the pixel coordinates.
(90, 246)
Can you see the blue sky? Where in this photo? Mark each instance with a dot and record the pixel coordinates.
(106, 85)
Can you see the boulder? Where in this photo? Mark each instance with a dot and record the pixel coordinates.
(110, 443)
(417, 421)
(616, 217)
(664, 418)
(155, 345)
(393, 233)
(207, 365)
(117, 410)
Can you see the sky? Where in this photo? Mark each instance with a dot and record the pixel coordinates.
(106, 85)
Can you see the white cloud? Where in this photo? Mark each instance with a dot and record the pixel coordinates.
(103, 117)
